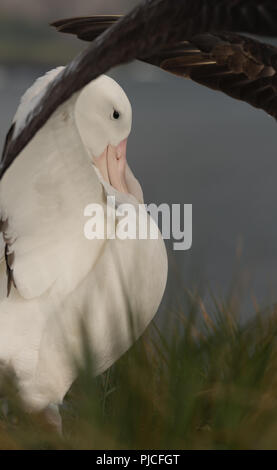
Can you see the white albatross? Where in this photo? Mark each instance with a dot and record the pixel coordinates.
(60, 280)
(67, 149)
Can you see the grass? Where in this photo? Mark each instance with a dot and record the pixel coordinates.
(211, 383)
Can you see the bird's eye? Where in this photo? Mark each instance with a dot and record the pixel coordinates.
(116, 114)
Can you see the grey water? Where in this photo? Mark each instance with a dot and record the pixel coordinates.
(190, 145)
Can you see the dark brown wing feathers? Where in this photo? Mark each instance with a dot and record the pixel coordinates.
(249, 16)
(8, 139)
(242, 68)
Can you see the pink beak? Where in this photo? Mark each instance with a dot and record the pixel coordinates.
(112, 166)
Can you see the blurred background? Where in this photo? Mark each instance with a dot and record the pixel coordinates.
(188, 145)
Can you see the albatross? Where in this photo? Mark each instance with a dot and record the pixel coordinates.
(58, 281)
(66, 148)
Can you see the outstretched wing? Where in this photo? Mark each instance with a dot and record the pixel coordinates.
(249, 16)
(241, 67)
(149, 28)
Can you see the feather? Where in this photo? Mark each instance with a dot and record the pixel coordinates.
(224, 61)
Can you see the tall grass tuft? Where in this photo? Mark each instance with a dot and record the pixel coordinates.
(205, 381)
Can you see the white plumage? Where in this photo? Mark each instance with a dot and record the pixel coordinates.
(62, 279)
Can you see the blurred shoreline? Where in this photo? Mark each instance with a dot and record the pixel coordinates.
(24, 43)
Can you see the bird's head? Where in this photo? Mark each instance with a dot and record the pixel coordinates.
(104, 119)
